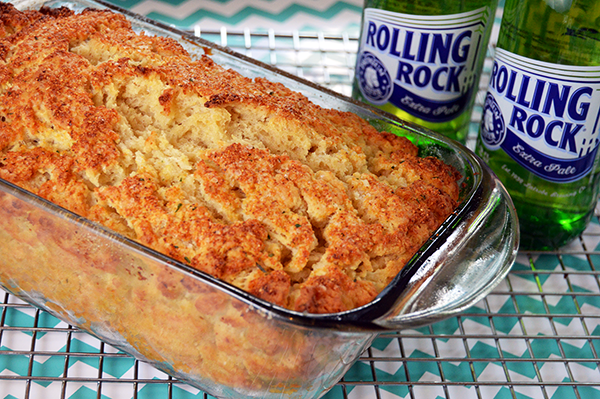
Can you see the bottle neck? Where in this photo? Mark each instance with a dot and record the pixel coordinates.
(531, 28)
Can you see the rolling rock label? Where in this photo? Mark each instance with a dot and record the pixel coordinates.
(544, 116)
(424, 65)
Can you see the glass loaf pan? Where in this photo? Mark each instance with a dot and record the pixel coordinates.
(215, 336)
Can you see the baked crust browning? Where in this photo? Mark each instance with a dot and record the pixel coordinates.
(309, 208)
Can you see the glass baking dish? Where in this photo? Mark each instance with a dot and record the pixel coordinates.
(215, 336)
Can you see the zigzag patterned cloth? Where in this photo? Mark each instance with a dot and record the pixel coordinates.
(330, 16)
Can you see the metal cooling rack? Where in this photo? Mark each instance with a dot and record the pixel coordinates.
(535, 336)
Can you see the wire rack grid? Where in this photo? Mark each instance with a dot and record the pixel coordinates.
(534, 336)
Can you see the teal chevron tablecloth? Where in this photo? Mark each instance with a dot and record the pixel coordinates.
(281, 16)
(535, 336)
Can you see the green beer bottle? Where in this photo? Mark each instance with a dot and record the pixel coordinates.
(421, 60)
(541, 117)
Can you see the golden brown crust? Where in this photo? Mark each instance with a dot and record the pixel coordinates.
(309, 208)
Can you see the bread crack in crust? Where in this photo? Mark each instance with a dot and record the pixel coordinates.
(309, 208)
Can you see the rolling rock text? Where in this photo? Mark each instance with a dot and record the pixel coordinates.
(551, 124)
(432, 73)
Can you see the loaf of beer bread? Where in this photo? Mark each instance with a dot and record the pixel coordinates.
(311, 209)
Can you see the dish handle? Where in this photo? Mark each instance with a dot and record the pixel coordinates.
(467, 265)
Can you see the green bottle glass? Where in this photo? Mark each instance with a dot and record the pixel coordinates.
(422, 59)
(541, 119)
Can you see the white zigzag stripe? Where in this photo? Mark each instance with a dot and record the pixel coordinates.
(116, 391)
(553, 371)
(365, 391)
(492, 372)
(345, 21)
(16, 388)
(473, 327)
(524, 283)
(392, 351)
(528, 391)
(147, 371)
(16, 340)
(82, 370)
(51, 391)
(190, 389)
(584, 281)
(582, 373)
(462, 392)
(590, 322)
(227, 9)
(429, 391)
